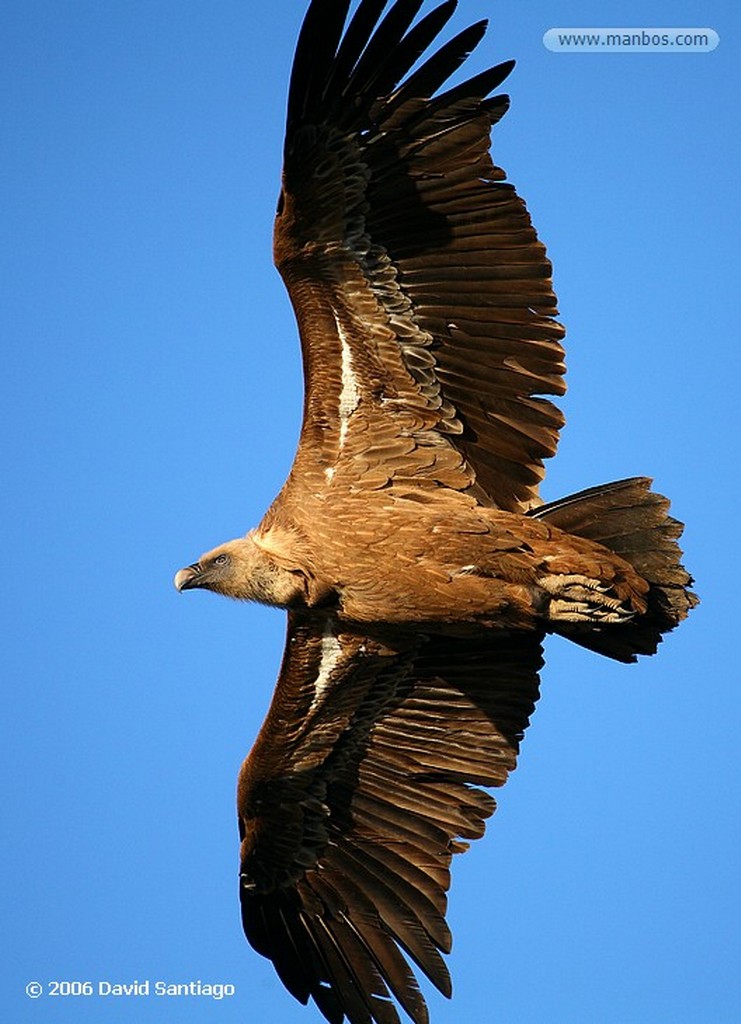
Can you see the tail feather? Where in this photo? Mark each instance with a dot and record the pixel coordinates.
(633, 521)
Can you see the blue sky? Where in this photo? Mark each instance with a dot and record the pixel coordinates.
(151, 398)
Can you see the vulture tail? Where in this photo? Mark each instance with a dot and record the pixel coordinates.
(633, 521)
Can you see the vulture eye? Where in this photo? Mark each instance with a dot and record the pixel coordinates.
(221, 559)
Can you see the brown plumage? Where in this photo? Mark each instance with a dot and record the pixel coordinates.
(418, 565)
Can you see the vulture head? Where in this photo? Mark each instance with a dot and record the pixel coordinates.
(243, 569)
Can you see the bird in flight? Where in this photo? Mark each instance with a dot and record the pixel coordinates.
(419, 568)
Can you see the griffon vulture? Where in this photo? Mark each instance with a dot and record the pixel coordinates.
(419, 568)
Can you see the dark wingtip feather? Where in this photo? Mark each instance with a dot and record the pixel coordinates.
(382, 47)
(412, 46)
(372, 55)
(317, 45)
(442, 64)
(353, 43)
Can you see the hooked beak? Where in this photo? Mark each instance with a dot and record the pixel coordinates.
(189, 578)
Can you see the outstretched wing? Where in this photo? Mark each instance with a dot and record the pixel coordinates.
(359, 788)
(422, 294)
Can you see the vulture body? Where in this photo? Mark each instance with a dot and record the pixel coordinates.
(418, 565)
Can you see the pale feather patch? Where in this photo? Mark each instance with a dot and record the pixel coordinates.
(350, 393)
(331, 657)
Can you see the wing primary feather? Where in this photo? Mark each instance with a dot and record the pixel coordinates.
(361, 915)
(479, 85)
(407, 885)
(267, 929)
(349, 993)
(351, 979)
(317, 44)
(434, 72)
(400, 921)
(409, 50)
(353, 43)
(362, 988)
(382, 46)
